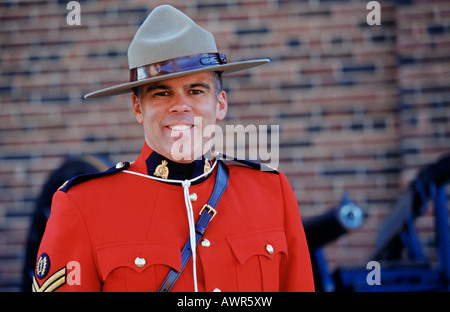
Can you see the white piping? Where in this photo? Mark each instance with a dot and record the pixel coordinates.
(190, 214)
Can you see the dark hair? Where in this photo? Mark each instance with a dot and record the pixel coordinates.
(217, 80)
(137, 91)
(216, 77)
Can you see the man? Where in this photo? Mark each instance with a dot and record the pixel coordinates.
(135, 227)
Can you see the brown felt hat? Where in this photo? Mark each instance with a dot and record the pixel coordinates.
(169, 44)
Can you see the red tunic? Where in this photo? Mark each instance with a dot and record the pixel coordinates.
(124, 232)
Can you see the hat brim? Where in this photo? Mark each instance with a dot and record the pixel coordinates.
(127, 87)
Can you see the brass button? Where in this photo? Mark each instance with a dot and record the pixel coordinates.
(120, 165)
(193, 197)
(206, 243)
(269, 249)
(139, 262)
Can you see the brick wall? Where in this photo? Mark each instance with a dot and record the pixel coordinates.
(360, 107)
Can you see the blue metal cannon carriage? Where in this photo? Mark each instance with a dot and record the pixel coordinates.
(403, 265)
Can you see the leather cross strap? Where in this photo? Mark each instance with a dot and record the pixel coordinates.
(207, 213)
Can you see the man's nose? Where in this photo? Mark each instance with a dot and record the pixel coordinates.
(180, 104)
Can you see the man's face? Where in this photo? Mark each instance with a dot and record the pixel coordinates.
(173, 112)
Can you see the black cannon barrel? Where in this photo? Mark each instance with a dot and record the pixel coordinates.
(325, 228)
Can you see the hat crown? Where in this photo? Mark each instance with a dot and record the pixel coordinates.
(168, 45)
(168, 33)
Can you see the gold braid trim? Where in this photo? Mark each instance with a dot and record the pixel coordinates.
(53, 282)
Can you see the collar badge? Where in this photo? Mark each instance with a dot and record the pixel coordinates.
(162, 170)
(207, 166)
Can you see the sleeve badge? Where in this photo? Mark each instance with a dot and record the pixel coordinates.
(42, 266)
(52, 282)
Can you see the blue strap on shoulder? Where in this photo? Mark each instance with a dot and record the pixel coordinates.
(89, 176)
(207, 213)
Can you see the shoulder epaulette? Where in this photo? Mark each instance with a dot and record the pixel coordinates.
(88, 176)
(246, 163)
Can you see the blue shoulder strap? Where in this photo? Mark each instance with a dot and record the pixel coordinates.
(246, 163)
(88, 176)
(206, 214)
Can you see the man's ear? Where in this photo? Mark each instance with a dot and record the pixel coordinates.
(222, 106)
(137, 109)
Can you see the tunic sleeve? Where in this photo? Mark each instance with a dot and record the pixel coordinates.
(65, 259)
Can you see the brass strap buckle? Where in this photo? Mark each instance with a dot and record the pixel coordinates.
(211, 210)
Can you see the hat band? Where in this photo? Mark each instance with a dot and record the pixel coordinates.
(176, 65)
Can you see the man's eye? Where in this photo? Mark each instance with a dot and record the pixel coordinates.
(195, 92)
(162, 93)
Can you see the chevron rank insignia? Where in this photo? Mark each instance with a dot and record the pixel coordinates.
(52, 283)
(42, 269)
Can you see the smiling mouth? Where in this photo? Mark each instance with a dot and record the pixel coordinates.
(180, 127)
